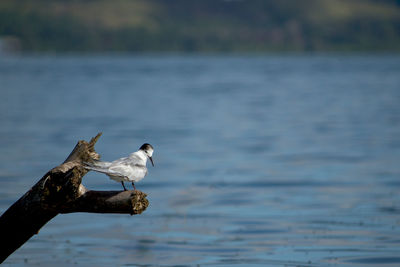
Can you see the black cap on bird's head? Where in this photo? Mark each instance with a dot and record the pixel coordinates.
(148, 150)
(146, 146)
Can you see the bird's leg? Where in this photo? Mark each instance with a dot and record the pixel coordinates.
(123, 185)
(133, 184)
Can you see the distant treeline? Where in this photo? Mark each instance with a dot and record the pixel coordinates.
(200, 25)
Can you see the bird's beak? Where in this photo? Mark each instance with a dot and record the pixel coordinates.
(151, 159)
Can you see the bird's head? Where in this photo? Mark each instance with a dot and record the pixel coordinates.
(148, 150)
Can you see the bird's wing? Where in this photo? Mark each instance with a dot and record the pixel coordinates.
(119, 161)
(132, 171)
(122, 168)
(102, 170)
(135, 159)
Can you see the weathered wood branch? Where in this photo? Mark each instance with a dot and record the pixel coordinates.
(61, 191)
(132, 202)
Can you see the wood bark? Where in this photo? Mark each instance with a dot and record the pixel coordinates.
(61, 191)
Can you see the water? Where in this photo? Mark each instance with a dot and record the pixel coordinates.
(260, 160)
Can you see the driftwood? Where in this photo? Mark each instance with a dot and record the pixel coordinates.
(61, 191)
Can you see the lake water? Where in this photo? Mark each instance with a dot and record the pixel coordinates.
(290, 160)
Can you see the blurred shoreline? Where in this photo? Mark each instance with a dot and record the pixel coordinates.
(208, 26)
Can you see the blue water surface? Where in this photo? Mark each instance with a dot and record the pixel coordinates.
(272, 160)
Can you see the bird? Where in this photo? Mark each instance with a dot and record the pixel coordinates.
(126, 169)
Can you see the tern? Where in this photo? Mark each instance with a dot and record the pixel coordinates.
(127, 169)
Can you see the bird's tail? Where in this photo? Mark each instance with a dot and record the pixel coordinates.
(99, 166)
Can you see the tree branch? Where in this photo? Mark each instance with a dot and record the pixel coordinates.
(131, 202)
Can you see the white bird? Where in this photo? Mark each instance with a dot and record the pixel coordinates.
(128, 169)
